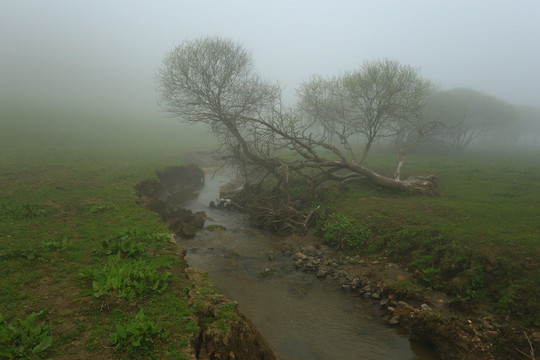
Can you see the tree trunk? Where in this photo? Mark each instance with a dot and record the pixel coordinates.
(422, 185)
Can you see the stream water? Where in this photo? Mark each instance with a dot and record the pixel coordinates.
(301, 316)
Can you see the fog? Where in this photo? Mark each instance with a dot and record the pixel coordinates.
(103, 55)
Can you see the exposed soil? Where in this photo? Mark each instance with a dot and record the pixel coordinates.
(237, 339)
(176, 181)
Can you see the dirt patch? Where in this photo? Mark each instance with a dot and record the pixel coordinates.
(174, 184)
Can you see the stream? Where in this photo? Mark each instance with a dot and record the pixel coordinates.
(300, 316)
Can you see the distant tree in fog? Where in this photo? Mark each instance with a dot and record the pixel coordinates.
(467, 116)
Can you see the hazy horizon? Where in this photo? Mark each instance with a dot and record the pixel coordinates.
(104, 55)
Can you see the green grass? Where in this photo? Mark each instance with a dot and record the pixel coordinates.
(478, 241)
(67, 203)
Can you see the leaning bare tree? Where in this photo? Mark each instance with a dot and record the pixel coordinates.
(211, 81)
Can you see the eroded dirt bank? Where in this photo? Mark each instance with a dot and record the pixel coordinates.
(427, 316)
(224, 332)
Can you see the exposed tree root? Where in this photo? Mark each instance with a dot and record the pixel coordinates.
(272, 210)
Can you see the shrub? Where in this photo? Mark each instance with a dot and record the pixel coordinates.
(343, 232)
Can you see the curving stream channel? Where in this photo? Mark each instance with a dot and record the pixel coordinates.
(301, 316)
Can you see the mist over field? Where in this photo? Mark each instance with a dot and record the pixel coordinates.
(103, 56)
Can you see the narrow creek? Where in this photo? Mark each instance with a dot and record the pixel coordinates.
(301, 316)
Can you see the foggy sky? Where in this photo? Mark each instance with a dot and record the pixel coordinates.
(104, 55)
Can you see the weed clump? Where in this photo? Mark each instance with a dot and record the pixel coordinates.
(25, 338)
(131, 243)
(343, 232)
(127, 279)
(138, 337)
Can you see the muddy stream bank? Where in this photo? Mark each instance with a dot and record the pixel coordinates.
(301, 316)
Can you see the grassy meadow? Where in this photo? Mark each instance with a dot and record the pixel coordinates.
(67, 206)
(479, 241)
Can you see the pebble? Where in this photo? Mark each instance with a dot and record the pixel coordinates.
(426, 307)
(394, 320)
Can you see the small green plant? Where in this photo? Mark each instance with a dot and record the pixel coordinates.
(54, 245)
(124, 244)
(124, 279)
(422, 263)
(138, 337)
(131, 242)
(468, 283)
(24, 339)
(431, 276)
(343, 232)
(403, 240)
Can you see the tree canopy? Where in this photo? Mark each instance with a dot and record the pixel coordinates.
(211, 80)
